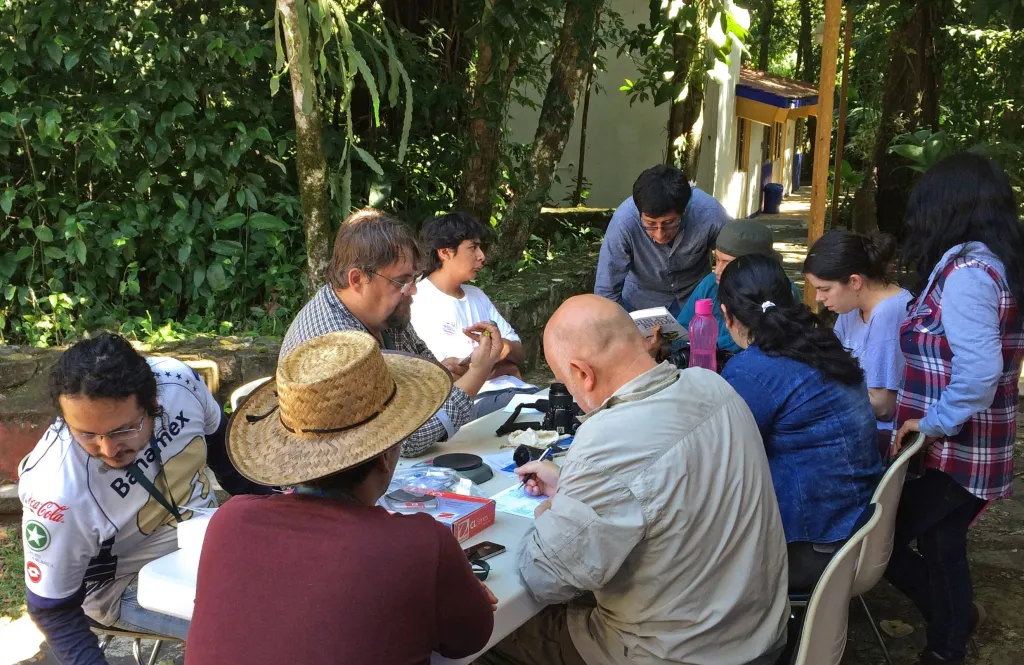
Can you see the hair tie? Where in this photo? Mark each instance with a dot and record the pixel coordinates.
(765, 305)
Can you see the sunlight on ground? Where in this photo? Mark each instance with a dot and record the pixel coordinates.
(21, 640)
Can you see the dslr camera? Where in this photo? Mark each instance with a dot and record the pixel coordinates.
(562, 414)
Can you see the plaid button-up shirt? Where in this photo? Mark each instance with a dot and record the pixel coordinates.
(980, 456)
(325, 313)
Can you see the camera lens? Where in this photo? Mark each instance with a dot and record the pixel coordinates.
(558, 396)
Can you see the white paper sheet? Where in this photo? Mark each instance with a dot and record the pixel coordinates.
(515, 501)
(501, 462)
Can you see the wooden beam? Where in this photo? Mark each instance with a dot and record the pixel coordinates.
(823, 143)
(756, 111)
(803, 112)
(837, 178)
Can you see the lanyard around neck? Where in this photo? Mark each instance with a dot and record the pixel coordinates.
(135, 472)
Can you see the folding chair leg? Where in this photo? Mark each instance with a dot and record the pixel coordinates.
(137, 651)
(155, 653)
(103, 642)
(874, 628)
(974, 647)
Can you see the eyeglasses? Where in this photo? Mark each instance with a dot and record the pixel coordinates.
(654, 228)
(117, 436)
(404, 286)
(667, 226)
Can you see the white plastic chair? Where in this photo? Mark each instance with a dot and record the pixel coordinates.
(823, 637)
(874, 557)
(240, 393)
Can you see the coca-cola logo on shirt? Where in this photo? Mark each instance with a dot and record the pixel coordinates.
(47, 510)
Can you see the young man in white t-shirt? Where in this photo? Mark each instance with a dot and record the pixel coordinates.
(105, 487)
(445, 306)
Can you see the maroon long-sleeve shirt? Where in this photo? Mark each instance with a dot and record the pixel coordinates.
(301, 579)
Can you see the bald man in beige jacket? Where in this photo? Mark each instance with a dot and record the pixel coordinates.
(663, 508)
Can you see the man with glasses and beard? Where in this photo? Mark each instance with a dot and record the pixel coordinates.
(103, 489)
(371, 281)
(656, 248)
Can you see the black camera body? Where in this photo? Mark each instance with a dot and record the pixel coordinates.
(563, 414)
(681, 357)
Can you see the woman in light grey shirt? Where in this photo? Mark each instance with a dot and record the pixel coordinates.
(851, 276)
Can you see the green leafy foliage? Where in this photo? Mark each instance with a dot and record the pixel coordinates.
(710, 22)
(142, 180)
(147, 176)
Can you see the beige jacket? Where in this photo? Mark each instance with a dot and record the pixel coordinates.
(665, 510)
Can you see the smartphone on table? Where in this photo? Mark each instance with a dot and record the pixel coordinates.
(484, 550)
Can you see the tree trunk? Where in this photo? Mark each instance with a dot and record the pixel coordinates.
(486, 117)
(764, 49)
(309, 148)
(909, 101)
(805, 51)
(572, 57)
(577, 195)
(805, 57)
(689, 55)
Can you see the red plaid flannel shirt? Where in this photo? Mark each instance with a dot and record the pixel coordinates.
(980, 456)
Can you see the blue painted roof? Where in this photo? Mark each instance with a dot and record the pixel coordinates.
(772, 99)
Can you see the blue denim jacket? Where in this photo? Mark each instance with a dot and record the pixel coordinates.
(820, 439)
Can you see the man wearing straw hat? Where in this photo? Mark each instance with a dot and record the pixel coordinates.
(373, 276)
(323, 575)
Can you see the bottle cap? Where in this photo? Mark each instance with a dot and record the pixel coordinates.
(703, 307)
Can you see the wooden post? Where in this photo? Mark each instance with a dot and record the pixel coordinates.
(837, 179)
(823, 140)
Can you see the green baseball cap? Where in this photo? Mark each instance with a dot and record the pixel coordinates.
(745, 236)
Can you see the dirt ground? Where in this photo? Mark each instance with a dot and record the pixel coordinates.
(996, 552)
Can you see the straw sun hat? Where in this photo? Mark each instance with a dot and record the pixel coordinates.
(337, 401)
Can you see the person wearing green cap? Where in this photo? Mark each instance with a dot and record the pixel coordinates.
(737, 238)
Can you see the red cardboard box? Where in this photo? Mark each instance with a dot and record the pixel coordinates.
(465, 516)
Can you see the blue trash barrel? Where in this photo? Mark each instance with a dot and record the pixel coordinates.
(772, 198)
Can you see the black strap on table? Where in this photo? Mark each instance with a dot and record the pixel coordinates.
(512, 426)
(135, 472)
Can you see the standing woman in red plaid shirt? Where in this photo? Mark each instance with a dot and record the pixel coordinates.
(963, 344)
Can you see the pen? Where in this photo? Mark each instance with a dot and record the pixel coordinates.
(543, 456)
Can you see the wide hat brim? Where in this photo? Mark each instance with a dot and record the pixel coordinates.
(266, 452)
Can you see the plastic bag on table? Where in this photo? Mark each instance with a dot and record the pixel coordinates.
(435, 479)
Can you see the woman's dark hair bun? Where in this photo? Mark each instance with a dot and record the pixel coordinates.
(881, 250)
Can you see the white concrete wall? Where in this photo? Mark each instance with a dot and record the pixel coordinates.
(788, 155)
(716, 166)
(717, 159)
(622, 140)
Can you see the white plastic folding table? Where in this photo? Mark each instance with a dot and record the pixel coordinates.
(168, 584)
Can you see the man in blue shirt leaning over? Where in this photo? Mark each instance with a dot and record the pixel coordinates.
(655, 250)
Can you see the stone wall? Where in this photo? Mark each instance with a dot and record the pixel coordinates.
(25, 409)
(527, 300)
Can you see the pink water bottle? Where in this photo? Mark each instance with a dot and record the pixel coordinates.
(703, 336)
